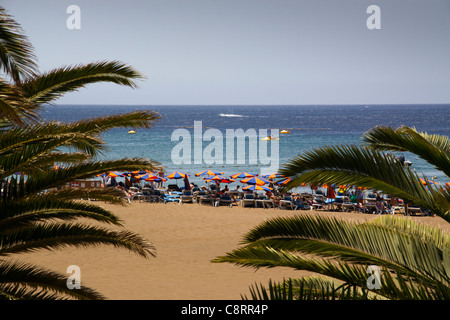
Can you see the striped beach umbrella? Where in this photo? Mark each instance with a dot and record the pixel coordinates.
(242, 175)
(255, 180)
(147, 175)
(273, 176)
(209, 173)
(218, 178)
(256, 187)
(283, 182)
(115, 174)
(177, 175)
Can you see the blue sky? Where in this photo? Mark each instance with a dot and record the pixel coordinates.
(246, 52)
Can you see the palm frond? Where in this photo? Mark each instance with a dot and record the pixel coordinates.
(59, 235)
(19, 281)
(435, 149)
(57, 82)
(364, 167)
(14, 108)
(17, 57)
(307, 288)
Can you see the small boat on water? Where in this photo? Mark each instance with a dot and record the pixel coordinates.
(270, 138)
(285, 131)
(131, 131)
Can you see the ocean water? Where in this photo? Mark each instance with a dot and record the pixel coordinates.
(309, 125)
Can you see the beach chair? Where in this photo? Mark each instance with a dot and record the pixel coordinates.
(248, 200)
(173, 187)
(413, 211)
(347, 205)
(186, 197)
(320, 203)
(371, 198)
(263, 201)
(337, 203)
(287, 203)
(224, 200)
(207, 198)
(370, 208)
(198, 194)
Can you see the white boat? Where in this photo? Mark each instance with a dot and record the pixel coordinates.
(131, 131)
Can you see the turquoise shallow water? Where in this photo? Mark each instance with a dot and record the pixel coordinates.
(309, 126)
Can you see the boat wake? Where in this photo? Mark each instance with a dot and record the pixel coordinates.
(231, 115)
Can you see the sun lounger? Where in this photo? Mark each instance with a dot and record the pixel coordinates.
(248, 200)
(287, 203)
(320, 203)
(371, 208)
(224, 200)
(206, 199)
(412, 211)
(187, 197)
(264, 202)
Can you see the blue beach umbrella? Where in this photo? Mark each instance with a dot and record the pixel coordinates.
(255, 180)
(177, 175)
(209, 173)
(256, 187)
(272, 176)
(243, 175)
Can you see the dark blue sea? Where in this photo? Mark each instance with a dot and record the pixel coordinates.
(309, 125)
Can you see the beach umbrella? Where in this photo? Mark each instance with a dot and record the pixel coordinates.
(256, 187)
(255, 180)
(218, 178)
(187, 186)
(156, 179)
(330, 192)
(272, 176)
(209, 173)
(176, 175)
(136, 172)
(146, 176)
(225, 180)
(283, 182)
(56, 168)
(115, 174)
(243, 175)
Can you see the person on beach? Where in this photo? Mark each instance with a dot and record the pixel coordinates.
(128, 194)
(161, 175)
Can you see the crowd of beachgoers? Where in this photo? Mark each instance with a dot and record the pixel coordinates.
(255, 192)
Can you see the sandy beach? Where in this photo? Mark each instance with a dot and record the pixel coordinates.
(187, 237)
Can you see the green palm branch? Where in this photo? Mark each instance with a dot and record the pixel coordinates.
(365, 167)
(50, 86)
(413, 259)
(20, 281)
(433, 148)
(36, 213)
(414, 263)
(17, 57)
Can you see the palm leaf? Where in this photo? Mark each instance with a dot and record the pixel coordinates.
(364, 167)
(59, 235)
(57, 82)
(20, 281)
(435, 149)
(16, 52)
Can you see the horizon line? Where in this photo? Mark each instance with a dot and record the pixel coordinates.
(258, 105)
